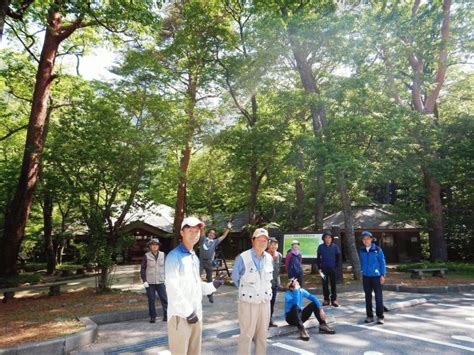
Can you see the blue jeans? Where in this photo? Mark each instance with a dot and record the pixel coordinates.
(373, 284)
(151, 292)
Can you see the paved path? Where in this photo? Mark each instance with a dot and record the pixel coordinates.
(220, 325)
(444, 325)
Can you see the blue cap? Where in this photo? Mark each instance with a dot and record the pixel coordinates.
(366, 234)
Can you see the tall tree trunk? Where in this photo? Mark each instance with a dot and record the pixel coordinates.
(254, 177)
(349, 226)
(4, 4)
(318, 115)
(438, 247)
(320, 202)
(181, 193)
(424, 102)
(252, 205)
(299, 203)
(186, 156)
(19, 208)
(48, 231)
(103, 279)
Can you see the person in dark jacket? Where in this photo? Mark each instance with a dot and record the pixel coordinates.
(293, 261)
(373, 269)
(328, 258)
(296, 315)
(152, 272)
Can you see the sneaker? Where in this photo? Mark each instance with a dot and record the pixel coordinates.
(325, 303)
(369, 320)
(165, 319)
(211, 298)
(272, 325)
(304, 334)
(153, 320)
(380, 320)
(325, 329)
(334, 303)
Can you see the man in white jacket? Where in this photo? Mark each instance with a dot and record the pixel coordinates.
(185, 290)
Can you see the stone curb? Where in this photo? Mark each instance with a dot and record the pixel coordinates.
(431, 289)
(58, 346)
(85, 337)
(117, 317)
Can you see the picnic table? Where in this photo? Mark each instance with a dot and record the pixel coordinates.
(420, 273)
(54, 289)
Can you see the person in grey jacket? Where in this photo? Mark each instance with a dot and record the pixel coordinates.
(152, 272)
(276, 282)
(207, 252)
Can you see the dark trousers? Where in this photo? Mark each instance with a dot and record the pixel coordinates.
(272, 302)
(373, 284)
(330, 279)
(297, 316)
(207, 265)
(151, 292)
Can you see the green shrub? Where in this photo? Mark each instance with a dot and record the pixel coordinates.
(69, 266)
(18, 280)
(452, 266)
(33, 266)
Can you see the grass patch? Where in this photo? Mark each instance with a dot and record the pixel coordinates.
(452, 266)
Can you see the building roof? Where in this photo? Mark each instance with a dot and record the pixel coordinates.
(156, 215)
(370, 217)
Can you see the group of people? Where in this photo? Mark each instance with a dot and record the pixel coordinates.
(256, 273)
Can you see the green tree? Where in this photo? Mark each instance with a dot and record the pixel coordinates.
(60, 20)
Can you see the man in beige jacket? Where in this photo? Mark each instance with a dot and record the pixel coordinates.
(253, 274)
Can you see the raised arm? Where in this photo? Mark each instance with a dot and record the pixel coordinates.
(226, 233)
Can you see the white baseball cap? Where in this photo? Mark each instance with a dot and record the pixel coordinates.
(259, 232)
(295, 242)
(192, 222)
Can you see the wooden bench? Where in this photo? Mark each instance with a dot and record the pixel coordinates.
(54, 289)
(419, 273)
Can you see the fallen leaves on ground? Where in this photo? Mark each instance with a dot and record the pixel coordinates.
(44, 317)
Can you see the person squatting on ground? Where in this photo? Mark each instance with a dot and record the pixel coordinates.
(293, 261)
(152, 272)
(185, 289)
(253, 274)
(328, 259)
(373, 269)
(294, 313)
(276, 282)
(207, 252)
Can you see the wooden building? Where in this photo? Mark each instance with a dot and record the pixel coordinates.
(400, 241)
(145, 223)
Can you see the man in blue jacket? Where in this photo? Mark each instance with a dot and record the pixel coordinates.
(329, 257)
(373, 268)
(296, 315)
